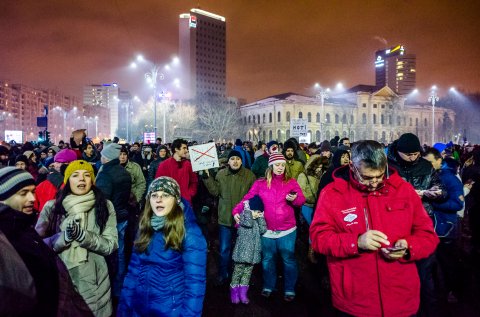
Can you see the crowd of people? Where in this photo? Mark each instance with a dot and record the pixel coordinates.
(115, 229)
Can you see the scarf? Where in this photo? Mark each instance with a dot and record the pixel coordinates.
(77, 207)
(157, 222)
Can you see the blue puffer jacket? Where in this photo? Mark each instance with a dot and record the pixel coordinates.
(163, 282)
(454, 188)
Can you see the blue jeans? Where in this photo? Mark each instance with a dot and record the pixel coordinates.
(225, 238)
(307, 213)
(285, 246)
(122, 263)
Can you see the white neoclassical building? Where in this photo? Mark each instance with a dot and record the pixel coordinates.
(362, 112)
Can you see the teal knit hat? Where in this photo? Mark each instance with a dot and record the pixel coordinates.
(165, 184)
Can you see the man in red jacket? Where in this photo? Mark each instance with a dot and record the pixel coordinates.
(179, 168)
(372, 226)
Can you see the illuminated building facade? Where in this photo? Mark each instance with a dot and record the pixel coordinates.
(104, 96)
(202, 50)
(362, 112)
(395, 69)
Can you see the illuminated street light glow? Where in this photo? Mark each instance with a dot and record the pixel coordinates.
(140, 58)
(433, 99)
(176, 60)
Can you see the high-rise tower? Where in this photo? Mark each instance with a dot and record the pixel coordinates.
(202, 44)
(395, 69)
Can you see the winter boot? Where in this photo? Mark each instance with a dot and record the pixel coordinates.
(243, 294)
(234, 294)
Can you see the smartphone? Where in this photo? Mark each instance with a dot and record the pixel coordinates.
(396, 249)
(292, 192)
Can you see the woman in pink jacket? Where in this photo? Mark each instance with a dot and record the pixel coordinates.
(280, 194)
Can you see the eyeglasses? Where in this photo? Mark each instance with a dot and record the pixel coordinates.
(162, 196)
(367, 179)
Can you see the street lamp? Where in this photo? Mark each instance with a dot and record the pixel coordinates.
(152, 78)
(433, 99)
(322, 95)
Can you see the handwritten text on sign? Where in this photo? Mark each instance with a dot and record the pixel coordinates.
(298, 127)
(203, 156)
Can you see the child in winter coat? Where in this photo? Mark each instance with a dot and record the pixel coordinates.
(248, 247)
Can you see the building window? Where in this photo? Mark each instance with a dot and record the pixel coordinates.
(300, 115)
(258, 119)
(327, 135)
(344, 119)
(383, 106)
(390, 119)
(288, 116)
(318, 117)
(253, 119)
(364, 118)
(270, 118)
(264, 135)
(309, 117)
(287, 133)
(249, 119)
(328, 118)
(425, 122)
(351, 119)
(416, 122)
(264, 118)
(317, 136)
(278, 116)
(374, 105)
(279, 135)
(399, 120)
(352, 136)
(336, 118)
(384, 137)
(382, 119)
(344, 135)
(364, 105)
(374, 119)
(411, 121)
(270, 136)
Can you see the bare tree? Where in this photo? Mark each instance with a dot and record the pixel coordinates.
(220, 121)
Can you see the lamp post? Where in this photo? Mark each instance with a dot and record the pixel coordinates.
(322, 95)
(433, 99)
(152, 78)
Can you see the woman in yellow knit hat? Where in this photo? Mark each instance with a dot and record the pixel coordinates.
(80, 225)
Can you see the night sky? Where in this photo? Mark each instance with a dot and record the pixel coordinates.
(272, 46)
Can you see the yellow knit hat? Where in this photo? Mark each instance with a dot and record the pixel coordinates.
(78, 165)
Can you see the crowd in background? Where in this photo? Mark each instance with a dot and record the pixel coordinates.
(124, 226)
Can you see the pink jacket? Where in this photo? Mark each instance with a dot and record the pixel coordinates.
(278, 212)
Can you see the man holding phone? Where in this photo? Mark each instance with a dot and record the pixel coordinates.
(372, 227)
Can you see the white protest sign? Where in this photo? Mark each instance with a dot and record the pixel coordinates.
(298, 127)
(203, 156)
(305, 139)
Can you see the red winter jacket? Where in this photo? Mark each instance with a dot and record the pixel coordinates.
(181, 172)
(278, 212)
(366, 284)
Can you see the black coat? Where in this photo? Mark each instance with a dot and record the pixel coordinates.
(39, 259)
(116, 184)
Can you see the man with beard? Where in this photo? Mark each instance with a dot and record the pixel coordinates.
(179, 168)
(294, 166)
(47, 189)
(404, 155)
(230, 185)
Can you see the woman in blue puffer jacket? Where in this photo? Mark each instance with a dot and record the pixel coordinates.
(167, 272)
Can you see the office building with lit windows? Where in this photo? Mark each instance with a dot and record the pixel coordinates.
(202, 50)
(104, 96)
(395, 69)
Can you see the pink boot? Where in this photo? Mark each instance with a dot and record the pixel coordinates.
(234, 294)
(243, 294)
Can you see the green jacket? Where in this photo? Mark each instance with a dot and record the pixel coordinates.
(90, 278)
(230, 188)
(139, 183)
(260, 166)
(295, 168)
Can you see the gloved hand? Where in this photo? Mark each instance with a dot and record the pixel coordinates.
(74, 231)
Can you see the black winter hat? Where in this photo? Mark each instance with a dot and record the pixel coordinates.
(256, 203)
(234, 153)
(238, 142)
(408, 143)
